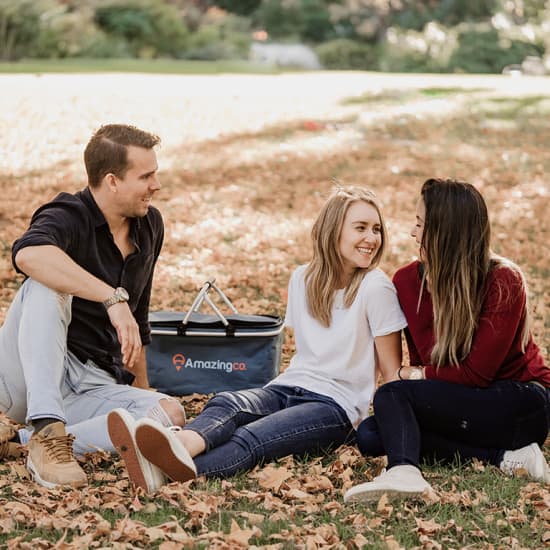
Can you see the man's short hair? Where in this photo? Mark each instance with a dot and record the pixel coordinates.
(107, 150)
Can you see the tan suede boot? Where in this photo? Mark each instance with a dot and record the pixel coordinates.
(51, 461)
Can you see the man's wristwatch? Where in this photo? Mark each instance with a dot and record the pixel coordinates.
(119, 295)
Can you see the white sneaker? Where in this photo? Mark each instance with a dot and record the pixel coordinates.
(529, 458)
(400, 481)
(122, 429)
(161, 447)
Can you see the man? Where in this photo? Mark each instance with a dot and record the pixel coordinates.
(74, 336)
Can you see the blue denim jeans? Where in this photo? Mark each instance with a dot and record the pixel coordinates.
(40, 378)
(434, 420)
(245, 428)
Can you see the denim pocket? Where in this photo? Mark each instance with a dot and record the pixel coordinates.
(82, 377)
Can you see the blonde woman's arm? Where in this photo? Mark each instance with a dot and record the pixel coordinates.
(388, 355)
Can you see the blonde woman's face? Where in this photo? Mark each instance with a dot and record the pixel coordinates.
(361, 236)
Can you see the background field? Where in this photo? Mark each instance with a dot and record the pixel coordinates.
(246, 162)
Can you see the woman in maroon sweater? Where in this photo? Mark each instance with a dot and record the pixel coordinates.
(477, 385)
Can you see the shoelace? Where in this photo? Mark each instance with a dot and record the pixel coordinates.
(59, 448)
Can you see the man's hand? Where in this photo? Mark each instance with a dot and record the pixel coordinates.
(127, 331)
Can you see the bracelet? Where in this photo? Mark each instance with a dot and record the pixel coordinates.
(399, 373)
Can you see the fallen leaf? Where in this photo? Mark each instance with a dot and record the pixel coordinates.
(241, 536)
(272, 478)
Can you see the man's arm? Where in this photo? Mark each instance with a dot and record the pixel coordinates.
(52, 267)
(139, 370)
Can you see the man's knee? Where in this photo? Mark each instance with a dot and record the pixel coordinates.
(44, 299)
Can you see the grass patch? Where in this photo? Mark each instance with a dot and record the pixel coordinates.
(399, 96)
(159, 66)
(386, 96)
(508, 108)
(440, 92)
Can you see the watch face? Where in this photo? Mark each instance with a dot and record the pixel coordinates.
(123, 293)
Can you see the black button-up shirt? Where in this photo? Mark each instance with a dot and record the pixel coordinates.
(75, 224)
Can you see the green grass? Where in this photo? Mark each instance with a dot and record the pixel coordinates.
(162, 66)
(386, 96)
(439, 92)
(512, 108)
(489, 508)
(399, 96)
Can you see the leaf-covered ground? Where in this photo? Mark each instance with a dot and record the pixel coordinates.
(245, 168)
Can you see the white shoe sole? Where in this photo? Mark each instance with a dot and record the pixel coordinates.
(121, 426)
(36, 476)
(360, 493)
(162, 448)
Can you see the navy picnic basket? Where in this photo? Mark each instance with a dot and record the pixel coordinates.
(195, 352)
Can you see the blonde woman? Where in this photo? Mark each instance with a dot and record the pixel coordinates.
(344, 313)
(479, 386)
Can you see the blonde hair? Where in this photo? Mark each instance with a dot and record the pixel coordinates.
(456, 246)
(323, 273)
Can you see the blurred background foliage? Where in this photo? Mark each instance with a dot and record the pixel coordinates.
(482, 36)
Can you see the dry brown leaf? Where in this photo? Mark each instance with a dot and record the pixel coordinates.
(360, 541)
(297, 494)
(383, 507)
(374, 523)
(317, 483)
(241, 536)
(279, 515)
(20, 471)
(272, 478)
(392, 544)
(333, 507)
(6, 525)
(253, 519)
(427, 527)
(430, 544)
(19, 511)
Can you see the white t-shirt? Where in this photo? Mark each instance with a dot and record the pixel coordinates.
(339, 360)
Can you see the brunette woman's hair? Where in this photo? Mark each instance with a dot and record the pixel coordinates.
(323, 273)
(458, 259)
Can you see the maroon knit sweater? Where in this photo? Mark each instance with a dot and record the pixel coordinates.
(496, 348)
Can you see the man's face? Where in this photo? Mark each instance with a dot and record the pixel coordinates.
(135, 191)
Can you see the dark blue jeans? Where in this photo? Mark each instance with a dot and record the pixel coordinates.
(439, 421)
(244, 428)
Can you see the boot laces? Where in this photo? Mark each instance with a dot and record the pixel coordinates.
(60, 448)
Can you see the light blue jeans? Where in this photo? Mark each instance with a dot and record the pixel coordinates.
(40, 378)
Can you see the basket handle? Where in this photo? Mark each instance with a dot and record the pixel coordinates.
(203, 296)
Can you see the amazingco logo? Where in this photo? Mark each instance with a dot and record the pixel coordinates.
(180, 361)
